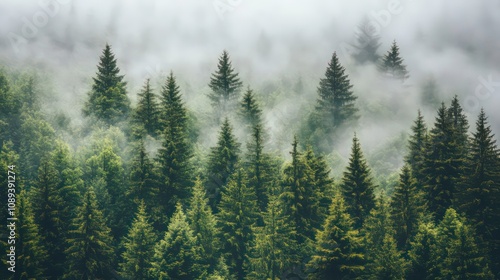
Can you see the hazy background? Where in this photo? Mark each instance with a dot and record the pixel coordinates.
(272, 44)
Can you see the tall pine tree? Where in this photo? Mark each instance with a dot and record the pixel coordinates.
(367, 43)
(416, 146)
(392, 64)
(147, 112)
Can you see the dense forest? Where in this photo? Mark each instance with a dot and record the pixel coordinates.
(135, 192)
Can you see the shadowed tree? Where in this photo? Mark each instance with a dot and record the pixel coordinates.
(416, 146)
(367, 43)
(392, 64)
(147, 112)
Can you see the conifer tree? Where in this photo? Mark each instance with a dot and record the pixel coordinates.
(176, 256)
(221, 162)
(392, 64)
(416, 146)
(367, 43)
(407, 208)
(442, 164)
(31, 254)
(147, 112)
(357, 186)
(237, 216)
(430, 93)
(249, 109)
(387, 262)
(90, 253)
(204, 225)
(479, 194)
(422, 255)
(175, 153)
(338, 253)
(138, 247)
(225, 86)
(108, 99)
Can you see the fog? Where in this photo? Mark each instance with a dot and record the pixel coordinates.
(456, 42)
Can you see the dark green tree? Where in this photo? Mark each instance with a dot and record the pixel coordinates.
(338, 250)
(416, 146)
(90, 253)
(108, 99)
(357, 186)
(174, 156)
(147, 112)
(225, 86)
(407, 208)
(250, 111)
(221, 163)
(139, 247)
(392, 64)
(367, 43)
(387, 261)
(422, 255)
(204, 225)
(237, 217)
(176, 256)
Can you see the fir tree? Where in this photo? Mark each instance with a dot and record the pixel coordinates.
(388, 262)
(416, 146)
(221, 162)
(357, 186)
(176, 255)
(249, 109)
(407, 208)
(90, 253)
(430, 94)
(108, 99)
(392, 64)
(225, 86)
(147, 112)
(175, 153)
(237, 216)
(138, 244)
(338, 253)
(422, 255)
(204, 226)
(367, 43)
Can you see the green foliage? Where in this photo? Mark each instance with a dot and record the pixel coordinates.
(357, 186)
(416, 145)
(430, 93)
(367, 43)
(177, 256)
(237, 217)
(392, 64)
(90, 251)
(221, 162)
(225, 86)
(138, 244)
(422, 255)
(108, 99)
(338, 251)
(250, 111)
(147, 112)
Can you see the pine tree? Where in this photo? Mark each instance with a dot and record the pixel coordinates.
(416, 146)
(275, 247)
(138, 244)
(392, 64)
(430, 94)
(90, 253)
(225, 86)
(47, 203)
(388, 262)
(237, 216)
(108, 99)
(441, 164)
(407, 208)
(422, 255)
(479, 194)
(221, 162)
(357, 186)
(31, 254)
(176, 256)
(147, 112)
(367, 43)
(336, 99)
(250, 111)
(204, 226)
(175, 153)
(338, 253)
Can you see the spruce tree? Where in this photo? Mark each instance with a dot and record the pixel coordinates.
(176, 256)
(108, 99)
(338, 253)
(367, 43)
(387, 262)
(138, 247)
(392, 64)
(422, 255)
(357, 186)
(204, 225)
(237, 217)
(225, 86)
(430, 94)
(31, 254)
(250, 111)
(174, 156)
(416, 146)
(222, 162)
(407, 208)
(147, 112)
(90, 254)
